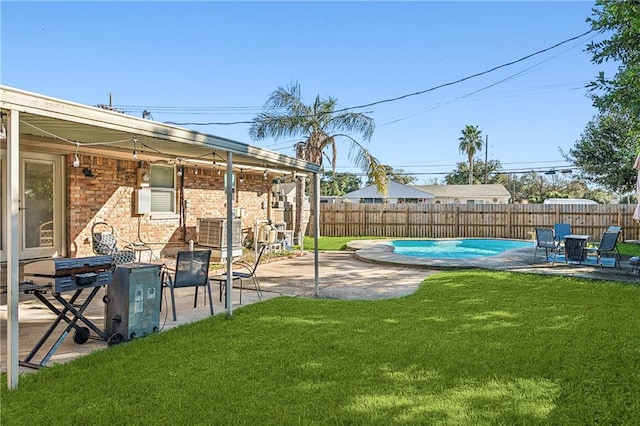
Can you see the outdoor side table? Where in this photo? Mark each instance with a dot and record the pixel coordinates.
(575, 247)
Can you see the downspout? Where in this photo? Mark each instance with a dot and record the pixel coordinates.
(181, 203)
(229, 222)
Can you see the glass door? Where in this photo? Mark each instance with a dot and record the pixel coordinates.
(40, 206)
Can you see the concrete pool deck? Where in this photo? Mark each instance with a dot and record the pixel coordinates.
(517, 260)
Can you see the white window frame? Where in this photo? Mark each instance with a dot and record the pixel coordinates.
(155, 189)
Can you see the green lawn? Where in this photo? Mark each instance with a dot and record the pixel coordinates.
(334, 243)
(468, 348)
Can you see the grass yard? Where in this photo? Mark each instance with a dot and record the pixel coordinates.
(468, 348)
(335, 243)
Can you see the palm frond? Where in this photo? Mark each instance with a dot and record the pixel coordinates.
(352, 122)
(362, 157)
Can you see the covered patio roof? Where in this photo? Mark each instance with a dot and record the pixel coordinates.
(58, 125)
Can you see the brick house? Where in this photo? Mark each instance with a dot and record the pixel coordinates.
(78, 165)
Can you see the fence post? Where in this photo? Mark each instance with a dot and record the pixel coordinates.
(365, 226)
(407, 233)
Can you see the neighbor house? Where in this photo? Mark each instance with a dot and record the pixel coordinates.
(433, 194)
(467, 194)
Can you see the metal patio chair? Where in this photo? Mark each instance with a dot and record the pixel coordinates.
(250, 273)
(545, 239)
(191, 270)
(560, 230)
(607, 246)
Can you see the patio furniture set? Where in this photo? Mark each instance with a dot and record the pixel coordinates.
(560, 244)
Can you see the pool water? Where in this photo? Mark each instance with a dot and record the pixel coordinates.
(456, 249)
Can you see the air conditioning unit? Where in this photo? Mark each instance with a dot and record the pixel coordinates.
(212, 232)
(142, 201)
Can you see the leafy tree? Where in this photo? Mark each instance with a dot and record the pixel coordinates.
(535, 188)
(337, 184)
(321, 126)
(397, 175)
(607, 150)
(470, 143)
(608, 146)
(620, 20)
(460, 176)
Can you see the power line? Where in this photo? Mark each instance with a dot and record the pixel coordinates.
(421, 92)
(546, 171)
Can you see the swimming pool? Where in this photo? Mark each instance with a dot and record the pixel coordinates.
(465, 248)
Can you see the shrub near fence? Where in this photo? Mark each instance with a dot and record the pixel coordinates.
(516, 221)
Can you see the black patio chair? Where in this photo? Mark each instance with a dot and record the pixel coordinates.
(192, 270)
(250, 273)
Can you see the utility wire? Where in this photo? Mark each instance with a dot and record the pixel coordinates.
(431, 89)
(468, 77)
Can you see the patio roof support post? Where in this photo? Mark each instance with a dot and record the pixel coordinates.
(229, 192)
(12, 248)
(316, 230)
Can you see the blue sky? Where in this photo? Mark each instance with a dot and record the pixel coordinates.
(219, 62)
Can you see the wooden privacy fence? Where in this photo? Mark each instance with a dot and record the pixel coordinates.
(515, 221)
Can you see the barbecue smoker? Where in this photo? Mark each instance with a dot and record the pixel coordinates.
(132, 303)
(61, 277)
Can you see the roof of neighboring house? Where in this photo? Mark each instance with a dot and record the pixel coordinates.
(568, 201)
(465, 191)
(394, 190)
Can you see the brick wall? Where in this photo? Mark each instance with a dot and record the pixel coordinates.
(109, 196)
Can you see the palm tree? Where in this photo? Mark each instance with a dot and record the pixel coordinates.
(470, 143)
(286, 116)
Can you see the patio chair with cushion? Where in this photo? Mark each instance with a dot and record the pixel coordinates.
(105, 242)
(545, 239)
(191, 270)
